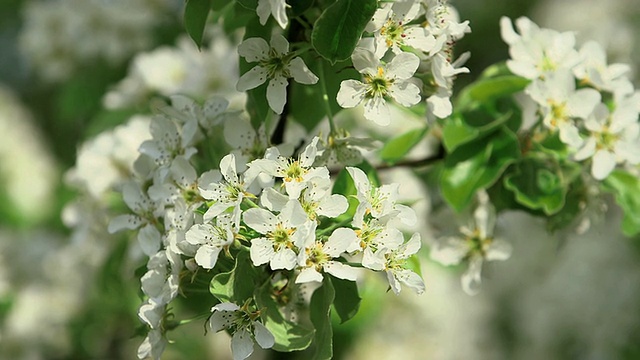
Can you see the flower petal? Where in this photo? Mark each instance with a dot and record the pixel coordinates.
(263, 336)
(252, 79)
(277, 93)
(241, 344)
(254, 49)
(351, 93)
(300, 72)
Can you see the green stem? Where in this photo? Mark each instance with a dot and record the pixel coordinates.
(333, 227)
(325, 98)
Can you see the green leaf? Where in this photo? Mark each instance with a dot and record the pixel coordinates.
(288, 336)
(337, 31)
(626, 188)
(248, 4)
(217, 5)
(536, 187)
(456, 132)
(396, 148)
(320, 313)
(195, 18)
(238, 284)
(489, 89)
(347, 300)
(477, 165)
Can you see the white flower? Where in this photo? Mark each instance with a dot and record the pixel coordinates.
(395, 266)
(477, 245)
(294, 173)
(614, 138)
(378, 202)
(382, 81)
(595, 71)
(536, 52)
(284, 234)
(277, 8)
(224, 187)
(244, 326)
(561, 103)
(275, 63)
(210, 240)
(391, 29)
(144, 209)
(316, 257)
(153, 345)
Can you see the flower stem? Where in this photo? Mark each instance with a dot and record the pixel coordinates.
(325, 98)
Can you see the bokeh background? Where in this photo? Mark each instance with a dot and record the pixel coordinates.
(76, 79)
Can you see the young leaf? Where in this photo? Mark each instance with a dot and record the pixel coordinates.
(626, 188)
(396, 148)
(195, 18)
(320, 309)
(536, 187)
(238, 284)
(347, 300)
(289, 336)
(337, 31)
(476, 165)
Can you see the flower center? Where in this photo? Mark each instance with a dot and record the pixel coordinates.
(378, 84)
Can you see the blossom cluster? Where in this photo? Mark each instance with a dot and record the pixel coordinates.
(398, 47)
(590, 104)
(278, 208)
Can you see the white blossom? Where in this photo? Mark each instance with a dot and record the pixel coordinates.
(276, 64)
(317, 257)
(381, 83)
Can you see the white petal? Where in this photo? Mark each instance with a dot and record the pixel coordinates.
(260, 220)
(239, 133)
(403, 66)
(252, 79)
(450, 251)
(241, 344)
(261, 251)
(278, 42)
(374, 261)
(254, 49)
(377, 110)
(207, 256)
(393, 282)
(149, 239)
(472, 277)
(277, 93)
(221, 319)
(339, 241)
(411, 279)
(333, 206)
(351, 93)
(603, 164)
(182, 172)
(284, 259)
(411, 247)
(340, 270)
(273, 200)
(263, 336)
(228, 169)
(406, 93)
(308, 275)
(122, 222)
(301, 73)
(365, 61)
(498, 249)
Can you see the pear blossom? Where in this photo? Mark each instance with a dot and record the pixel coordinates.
(378, 202)
(283, 235)
(210, 239)
(244, 326)
(561, 104)
(317, 256)
(614, 138)
(395, 267)
(477, 245)
(342, 149)
(276, 8)
(276, 64)
(225, 187)
(535, 52)
(144, 209)
(153, 345)
(375, 241)
(295, 174)
(381, 83)
(595, 70)
(391, 29)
